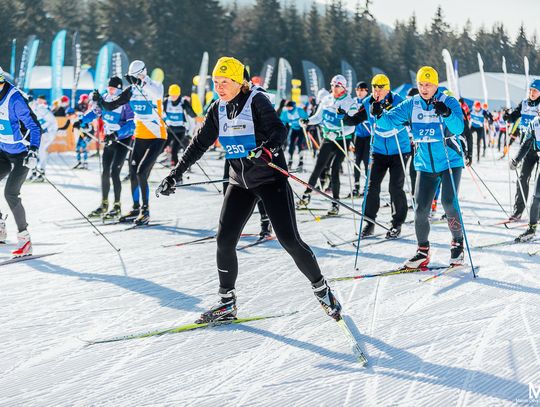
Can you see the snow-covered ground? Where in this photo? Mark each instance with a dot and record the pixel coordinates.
(455, 341)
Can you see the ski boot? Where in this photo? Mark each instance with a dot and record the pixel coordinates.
(355, 192)
(326, 298)
(84, 165)
(304, 201)
(433, 207)
(3, 232)
(334, 210)
(457, 255)
(24, 245)
(300, 167)
(528, 235)
(130, 216)
(394, 232)
(102, 209)
(266, 228)
(143, 218)
(289, 164)
(113, 214)
(515, 217)
(420, 259)
(224, 310)
(368, 230)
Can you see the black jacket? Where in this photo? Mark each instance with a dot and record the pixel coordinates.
(269, 131)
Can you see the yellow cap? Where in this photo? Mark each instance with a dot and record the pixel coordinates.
(174, 90)
(427, 74)
(229, 67)
(381, 80)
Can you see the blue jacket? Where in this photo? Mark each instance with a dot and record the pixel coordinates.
(426, 128)
(292, 118)
(18, 114)
(362, 130)
(384, 140)
(126, 123)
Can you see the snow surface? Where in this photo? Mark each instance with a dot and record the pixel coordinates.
(452, 342)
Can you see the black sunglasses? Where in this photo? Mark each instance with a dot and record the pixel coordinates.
(379, 86)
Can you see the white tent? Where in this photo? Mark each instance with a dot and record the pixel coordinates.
(470, 87)
(41, 78)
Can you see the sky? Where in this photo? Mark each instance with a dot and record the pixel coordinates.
(456, 12)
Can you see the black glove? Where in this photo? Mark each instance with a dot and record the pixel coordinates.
(133, 80)
(168, 185)
(506, 116)
(468, 160)
(260, 155)
(513, 164)
(340, 111)
(111, 138)
(77, 124)
(96, 97)
(376, 109)
(441, 109)
(304, 122)
(31, 159)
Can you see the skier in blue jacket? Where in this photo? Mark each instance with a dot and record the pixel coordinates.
(389, 153)
(20, 136)
(436, 120)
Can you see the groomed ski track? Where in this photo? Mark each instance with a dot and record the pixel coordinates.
(452, 342)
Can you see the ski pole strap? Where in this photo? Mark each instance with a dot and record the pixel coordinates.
(337, 201)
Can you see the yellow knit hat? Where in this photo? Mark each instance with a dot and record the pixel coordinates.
(427, 74)
(381, 80)
(174, 90)
(229, 67)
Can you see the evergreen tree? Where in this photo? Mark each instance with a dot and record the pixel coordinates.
(293, 40)
(405, 46)
(8, 31)
(263, 37)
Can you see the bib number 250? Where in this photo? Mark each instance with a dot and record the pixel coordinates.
(235, 149)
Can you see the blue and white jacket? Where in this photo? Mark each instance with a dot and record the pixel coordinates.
(19, 127)
(436, 138)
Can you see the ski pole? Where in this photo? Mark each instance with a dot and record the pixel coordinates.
(215, 181)
(366, 188)
(349, 160)
(405, 171)
(311, 187)
(521, 191)
(101, 142)
(78, 210)
(309, 139)
(456, 198)
(489, 190)
(476, 182)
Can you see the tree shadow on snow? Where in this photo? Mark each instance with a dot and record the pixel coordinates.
(167, 297)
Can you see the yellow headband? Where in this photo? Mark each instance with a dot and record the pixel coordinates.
(427, 74)
(229, 67)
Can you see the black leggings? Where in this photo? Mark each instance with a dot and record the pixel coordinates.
(114, 156)
(328, 151)
(260, 205)
(175, 139)
(426, 187)
(237, 208)
(535, 205)
(12, 166)
(297, 139)
(361, 152)
(529, 162)
(480, 138)
(141, 160)
(380, 164)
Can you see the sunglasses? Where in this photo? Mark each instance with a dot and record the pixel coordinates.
(379, 86)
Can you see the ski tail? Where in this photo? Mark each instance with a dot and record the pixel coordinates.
(358, 353)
